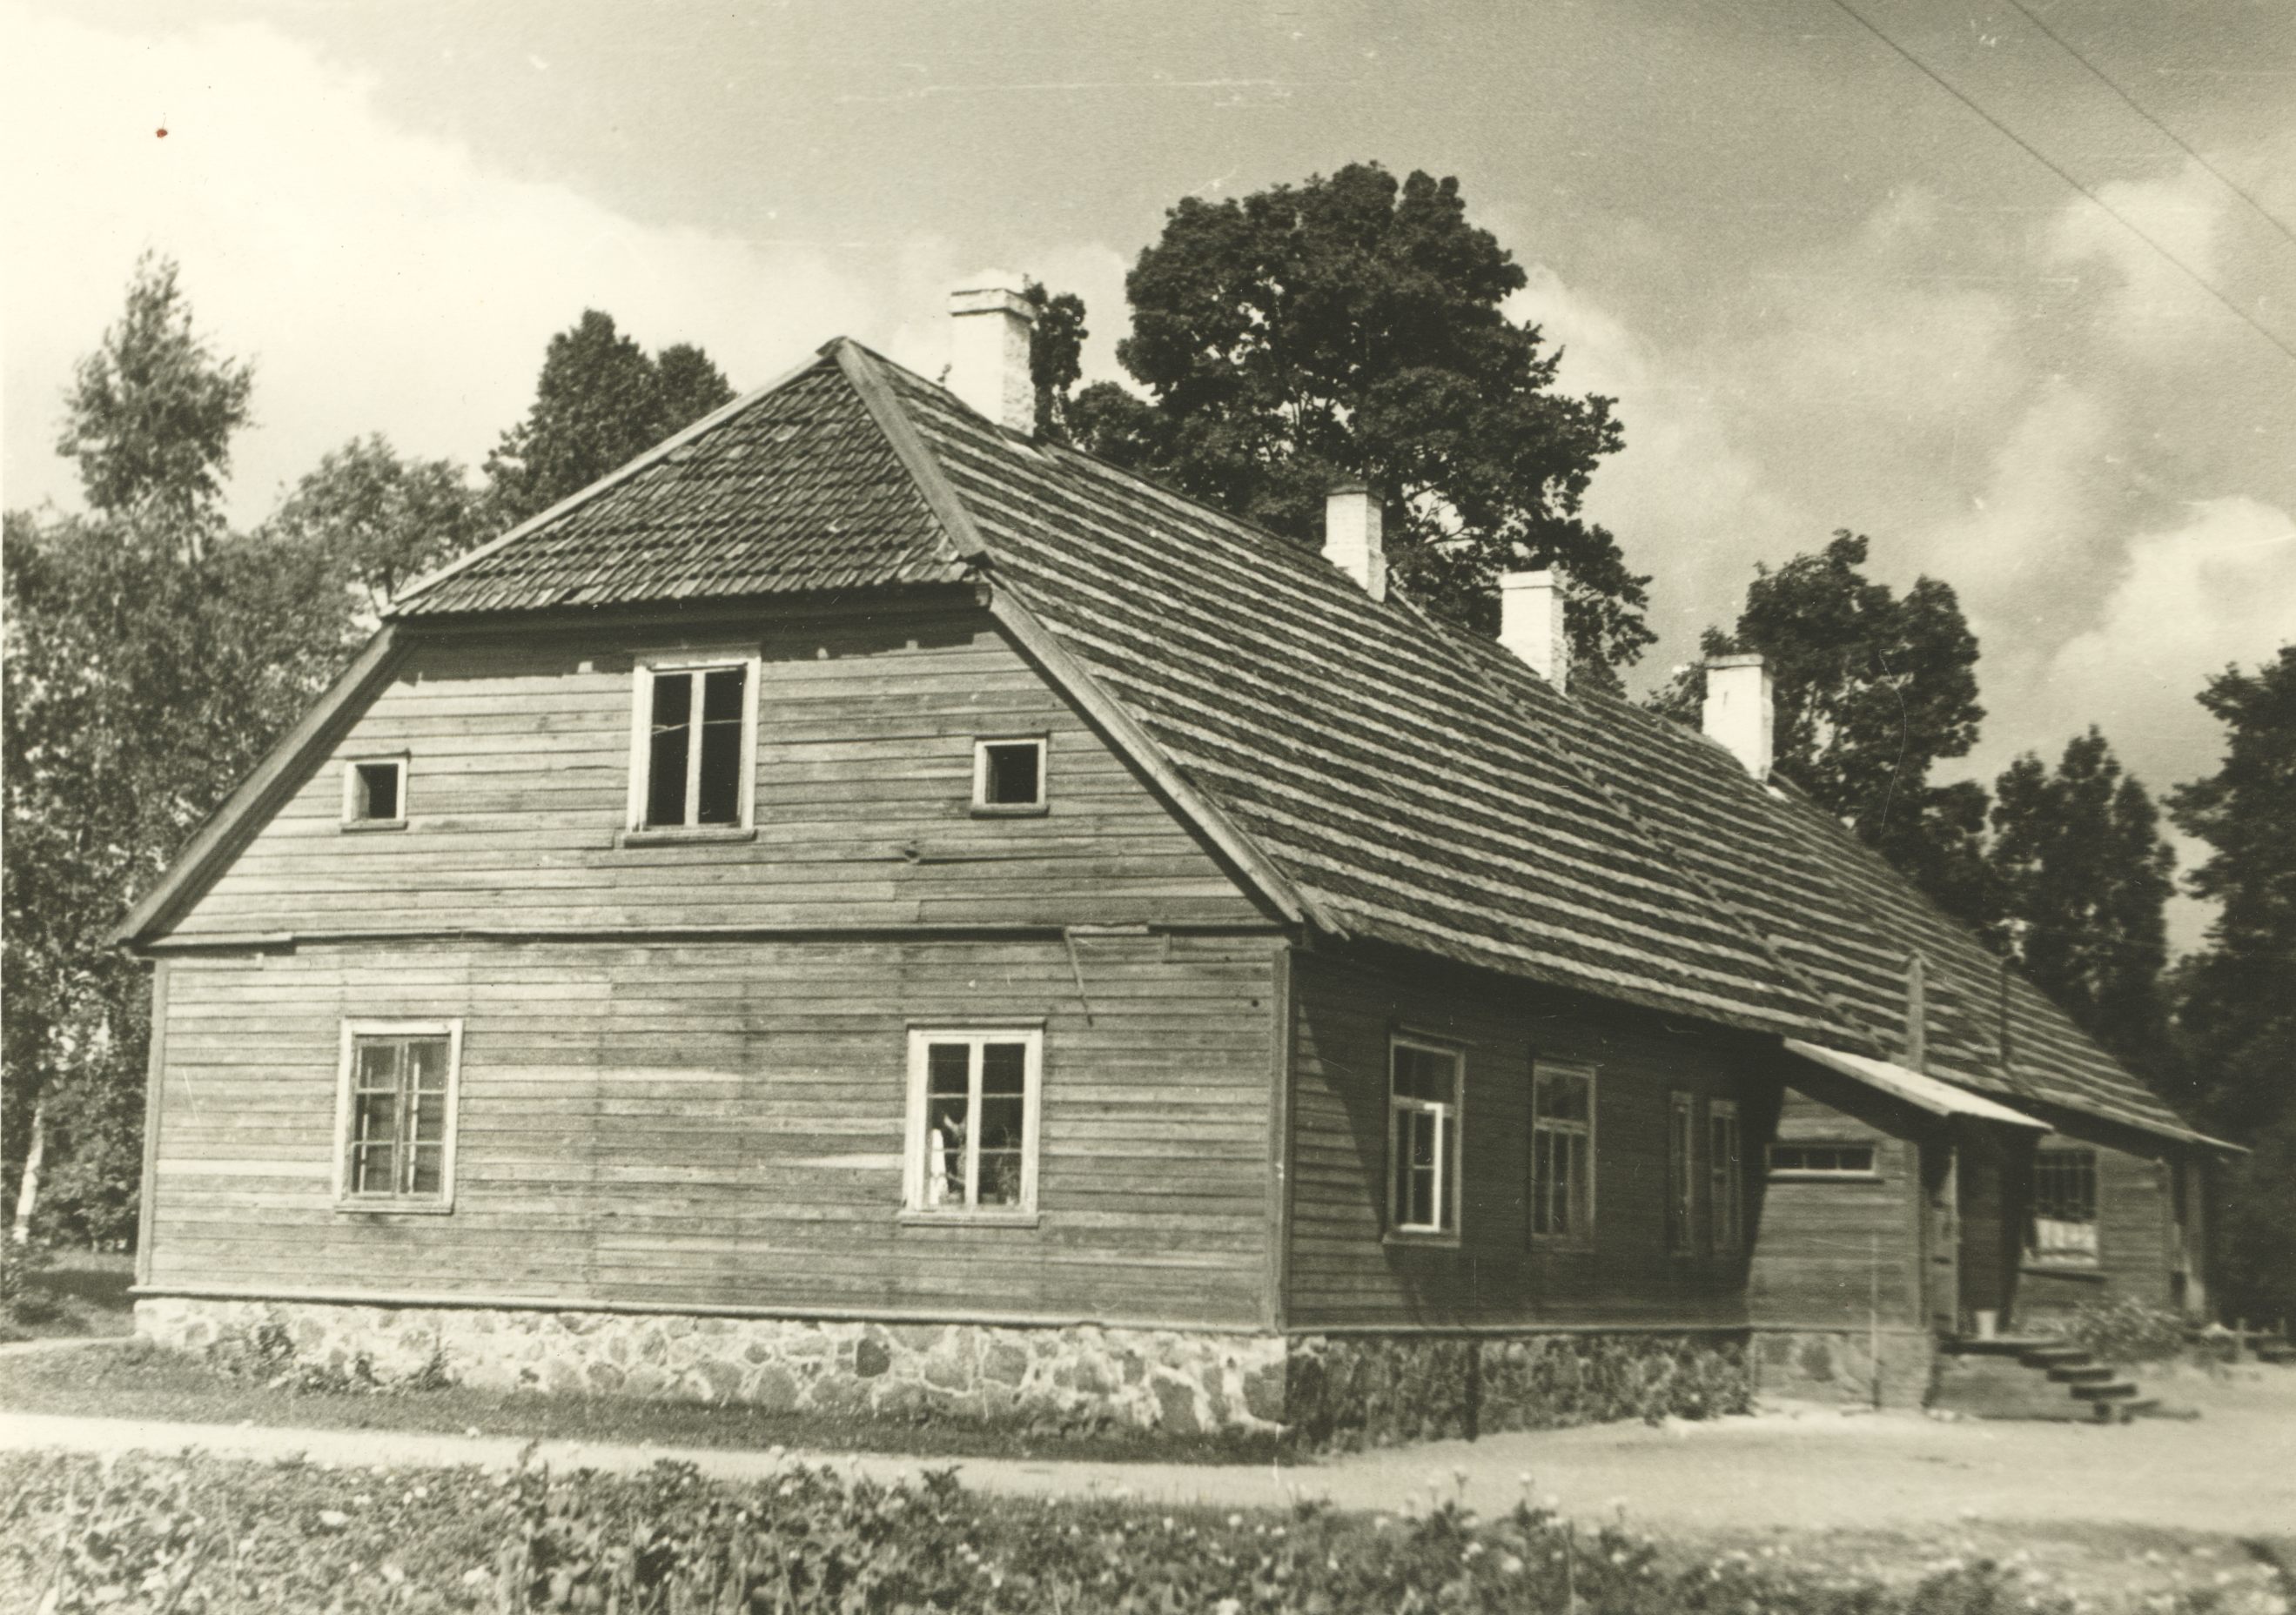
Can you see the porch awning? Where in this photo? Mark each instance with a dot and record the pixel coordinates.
(1924, 1092)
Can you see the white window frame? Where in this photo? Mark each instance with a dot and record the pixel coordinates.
(1726, 1177)
(1451, 1114)
(914, 1205)
(982, 806)
(352, 818)
(345, 1103)
(1541, 1072)
(642, 673)
(1682, 1173)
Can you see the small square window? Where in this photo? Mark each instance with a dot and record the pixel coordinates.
(375, 792)
(1008, 775)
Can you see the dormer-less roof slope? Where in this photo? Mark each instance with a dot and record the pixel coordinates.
(1414, 784)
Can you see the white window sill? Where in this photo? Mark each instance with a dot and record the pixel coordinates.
(1790, 1175)
(2088, 1268)
(969, 1219)
(1010, 810)
(353, 826)
(380, 1207)
(1441, 1239)
(674, 836)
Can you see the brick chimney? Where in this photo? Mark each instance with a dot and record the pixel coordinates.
(1741, 709)
(1352, 541)
(1530, 623)
(988, 351)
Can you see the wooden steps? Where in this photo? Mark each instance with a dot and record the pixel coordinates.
(2034, 1378)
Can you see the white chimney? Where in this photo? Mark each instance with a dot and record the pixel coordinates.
(1530, 623)
(1741, 709)
(988, 351)
(1351, 536)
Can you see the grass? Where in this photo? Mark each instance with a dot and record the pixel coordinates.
(141, 1381)
(77, 1293)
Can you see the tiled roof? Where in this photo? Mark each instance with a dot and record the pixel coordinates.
(1418, 786)
(792, 489)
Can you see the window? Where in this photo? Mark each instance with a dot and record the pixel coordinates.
(394, 1116)
(973, 1100)
(2064, 1208)
(1726, 1166)
(375, 793)
(1008, 775)
(1562, 1154)
(1422, 1138)
(1821, 1161)
(1681, 1174)
(694, 744)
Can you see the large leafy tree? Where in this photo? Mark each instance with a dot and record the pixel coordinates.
(2239, 1006)
(600, 401)
(150, 656)
(1874, 690)
(1355, 326)
(2083, 879)
(150, 415)
(379, 521)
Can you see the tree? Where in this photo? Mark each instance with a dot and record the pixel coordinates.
(1874, 690)
(1353, 326)
(2240, 992)
(151, 414)
(1056, 356)
(599, 403)
(151, 657)
(2083, 879)
(379, 521)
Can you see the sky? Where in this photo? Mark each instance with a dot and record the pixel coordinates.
(1826, 290)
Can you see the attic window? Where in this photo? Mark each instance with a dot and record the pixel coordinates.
(1792, 1160)
(375, 793)
(1008, 775)
(694, 736)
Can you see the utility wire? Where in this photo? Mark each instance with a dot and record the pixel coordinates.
(2038, 155)
(2262, 212)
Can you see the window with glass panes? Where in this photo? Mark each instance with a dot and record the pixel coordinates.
(1422, 1138)
(973, 1121)
(399, 1115)
(697, 734)
(2064, 1208)
(1562, 1153)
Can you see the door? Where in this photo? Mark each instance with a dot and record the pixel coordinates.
(1941, 1235)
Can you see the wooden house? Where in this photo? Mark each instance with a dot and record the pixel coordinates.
(865, 908)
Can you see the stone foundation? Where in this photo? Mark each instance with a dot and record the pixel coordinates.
(1838, 1365)
(1375, 1390)
(1324, 1391)
(1172, 1379)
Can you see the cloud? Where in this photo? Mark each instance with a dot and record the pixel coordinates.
(379, 280)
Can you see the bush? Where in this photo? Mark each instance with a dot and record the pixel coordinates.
(194, 1534)
(2122, 1332)
(25, 1295)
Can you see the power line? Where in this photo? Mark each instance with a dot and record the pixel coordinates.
(2063, 44)
(2038, 156)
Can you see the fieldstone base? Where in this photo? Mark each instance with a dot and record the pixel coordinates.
(1839, 1366)
(1173, 1380)
(1375, 1390)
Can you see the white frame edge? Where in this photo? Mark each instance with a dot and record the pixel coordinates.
(642, 669)
(912, 1143)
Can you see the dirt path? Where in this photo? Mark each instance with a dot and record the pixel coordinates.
(2233, 1471)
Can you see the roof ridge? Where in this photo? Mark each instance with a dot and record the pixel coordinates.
(961, 543)
(613, 479)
